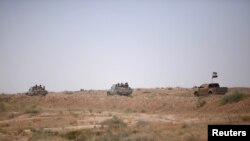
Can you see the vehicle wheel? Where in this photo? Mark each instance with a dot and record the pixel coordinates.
(210, 92)
(108, 93)
(196, 94)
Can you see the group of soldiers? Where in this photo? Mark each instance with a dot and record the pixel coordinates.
(38, 87)
(125, 85)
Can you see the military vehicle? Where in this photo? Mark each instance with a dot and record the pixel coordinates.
(211, 88)
(37, 91)
(120, 89)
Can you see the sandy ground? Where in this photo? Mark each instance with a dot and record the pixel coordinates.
(149, 114)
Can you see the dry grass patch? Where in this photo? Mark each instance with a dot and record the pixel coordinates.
(200, 102)
(2, 107)
(231, 98)
(245, 118)
(40, 134)
(115, 122)
(33, 109)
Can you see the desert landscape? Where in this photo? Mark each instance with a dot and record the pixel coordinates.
(158, 114)
(124, 70)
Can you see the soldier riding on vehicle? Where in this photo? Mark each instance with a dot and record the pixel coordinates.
(120, 89)
(37, 90)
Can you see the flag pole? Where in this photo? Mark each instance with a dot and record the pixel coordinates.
(212, 78)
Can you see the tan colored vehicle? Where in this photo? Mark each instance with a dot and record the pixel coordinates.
(120, 89)
(37, 91)
(211, 88)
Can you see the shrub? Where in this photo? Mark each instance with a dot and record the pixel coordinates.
(11, 115)
(73, 135)
(245, 118)
(33, 109)
(200, 102)
(231, 98)
(40, 134)
(80, 135)
(170, 88)
(115, 122)
(183, 126)
(192, 137)
(108, 137)
(141, 123)
(2, 107)
(143, 111)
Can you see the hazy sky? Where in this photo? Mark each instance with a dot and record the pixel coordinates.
(91, 44)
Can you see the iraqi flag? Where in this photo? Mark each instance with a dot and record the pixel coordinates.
(214, 75)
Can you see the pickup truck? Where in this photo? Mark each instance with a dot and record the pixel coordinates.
(211, 88)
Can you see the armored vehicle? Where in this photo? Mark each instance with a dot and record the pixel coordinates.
(211, 88)
(37, 91)
(120, 89)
